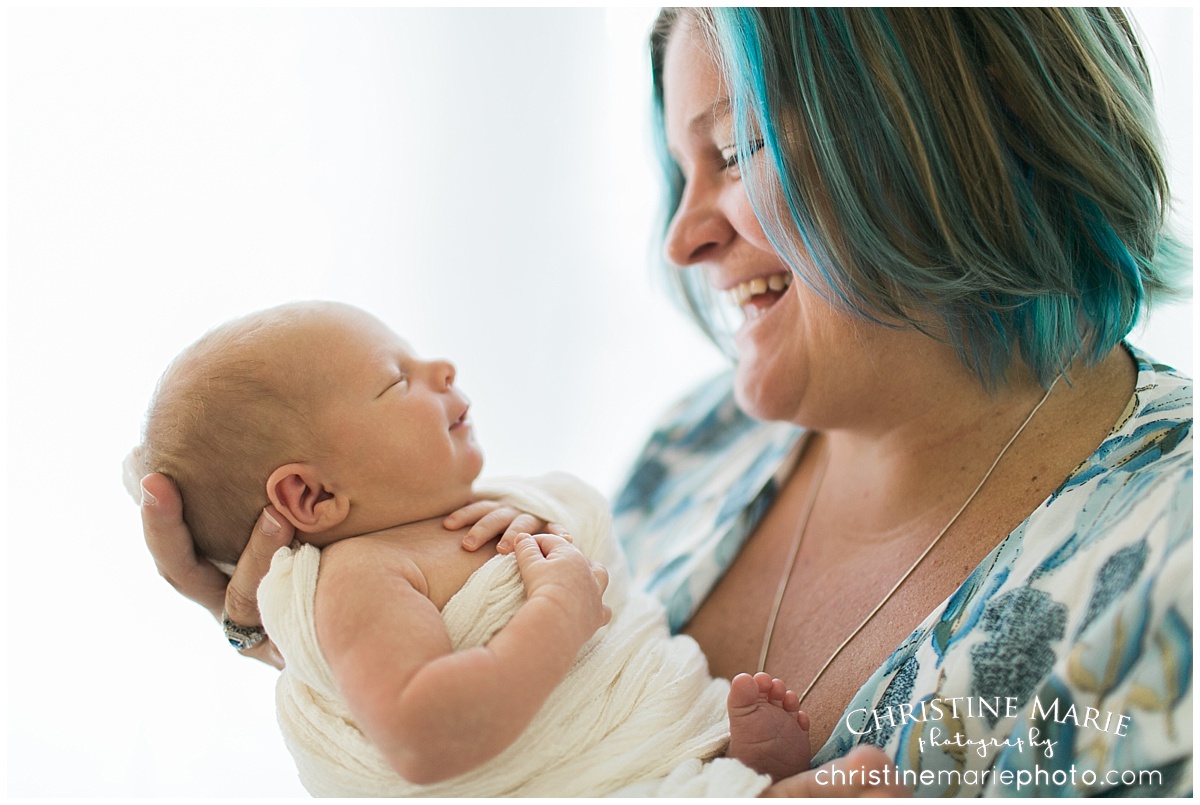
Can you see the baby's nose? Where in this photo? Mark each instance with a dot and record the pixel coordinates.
(445, 372)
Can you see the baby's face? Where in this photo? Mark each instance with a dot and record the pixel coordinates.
(395, 426)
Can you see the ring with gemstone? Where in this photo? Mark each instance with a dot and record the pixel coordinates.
(242, 637)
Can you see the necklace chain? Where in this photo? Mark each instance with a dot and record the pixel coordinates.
(794, 552)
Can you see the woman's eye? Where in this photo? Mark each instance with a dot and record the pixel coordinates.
(733, 158)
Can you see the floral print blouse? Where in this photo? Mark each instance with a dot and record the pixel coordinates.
(1061, 666)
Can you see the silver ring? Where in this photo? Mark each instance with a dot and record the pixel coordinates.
(241, 637)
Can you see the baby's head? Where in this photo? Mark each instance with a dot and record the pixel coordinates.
(319, 409)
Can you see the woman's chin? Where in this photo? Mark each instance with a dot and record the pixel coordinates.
(762, 397)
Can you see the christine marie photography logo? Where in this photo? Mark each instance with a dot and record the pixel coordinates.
(959, 709)
(965, 708)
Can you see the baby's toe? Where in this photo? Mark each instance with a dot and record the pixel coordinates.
(743, 691)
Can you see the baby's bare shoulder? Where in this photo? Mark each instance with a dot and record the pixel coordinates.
(357, 561)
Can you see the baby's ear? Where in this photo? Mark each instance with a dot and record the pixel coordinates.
(301, 495)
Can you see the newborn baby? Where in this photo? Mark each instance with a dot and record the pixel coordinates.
(527, 667)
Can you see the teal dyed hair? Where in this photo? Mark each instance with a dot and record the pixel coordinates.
(991, 176)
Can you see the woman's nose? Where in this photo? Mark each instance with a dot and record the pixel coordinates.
(698, 227)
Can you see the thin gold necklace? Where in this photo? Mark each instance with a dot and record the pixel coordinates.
(818, 478)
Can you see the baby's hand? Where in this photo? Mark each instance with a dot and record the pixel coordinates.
(555, 571)
(491, 518)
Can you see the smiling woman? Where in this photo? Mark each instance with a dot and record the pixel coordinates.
(974, 222)
(480, 179)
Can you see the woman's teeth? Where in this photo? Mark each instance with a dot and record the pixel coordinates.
(741, 293)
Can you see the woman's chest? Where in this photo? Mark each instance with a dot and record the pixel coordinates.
(841, 606)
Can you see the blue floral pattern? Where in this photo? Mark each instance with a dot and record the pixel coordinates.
(1078, 625)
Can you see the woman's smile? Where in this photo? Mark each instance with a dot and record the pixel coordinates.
(758, 300)
(760, 292)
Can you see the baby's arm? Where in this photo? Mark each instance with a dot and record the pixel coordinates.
(433, 712)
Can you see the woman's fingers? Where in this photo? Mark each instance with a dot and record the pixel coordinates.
(170, 543)
(271, 533)
(265, 652)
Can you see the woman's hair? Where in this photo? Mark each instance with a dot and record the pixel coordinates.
(223, 417)
(991, 176)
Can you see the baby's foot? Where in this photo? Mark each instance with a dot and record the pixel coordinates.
(767, 730)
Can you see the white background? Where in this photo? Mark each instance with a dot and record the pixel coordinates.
(480, 179)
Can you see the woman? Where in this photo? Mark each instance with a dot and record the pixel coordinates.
(962, 518)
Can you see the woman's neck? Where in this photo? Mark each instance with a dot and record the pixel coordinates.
(932, 439)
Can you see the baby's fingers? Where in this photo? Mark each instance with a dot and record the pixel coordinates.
(471, 515)
(528, 524)
(601, 574)
(531, 547)
(521, 524)
(527, 551)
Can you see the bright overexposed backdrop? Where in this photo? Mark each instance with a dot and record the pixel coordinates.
(481, 179)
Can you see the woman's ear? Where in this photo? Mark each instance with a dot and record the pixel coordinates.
(302, 496)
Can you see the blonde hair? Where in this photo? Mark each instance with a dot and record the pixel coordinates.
(224, 415)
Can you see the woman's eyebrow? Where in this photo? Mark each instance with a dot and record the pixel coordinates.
(704, 121)
(702, 124)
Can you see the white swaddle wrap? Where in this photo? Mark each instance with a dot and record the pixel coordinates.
(637, 714)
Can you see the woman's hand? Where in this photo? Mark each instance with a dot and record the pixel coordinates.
(491, 518)
(170, 543)
(864, 772)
